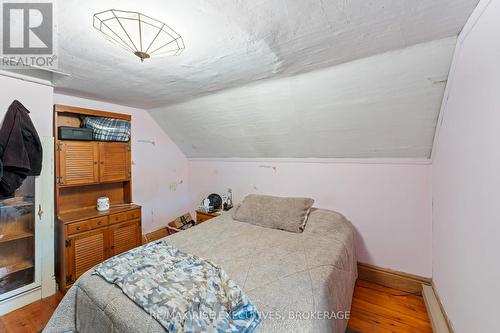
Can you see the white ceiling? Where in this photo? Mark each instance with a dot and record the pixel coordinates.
(381, 106)
(350, 78)
(230, 43)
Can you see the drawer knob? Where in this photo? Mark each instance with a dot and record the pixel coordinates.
(99, 223)
(77, 228)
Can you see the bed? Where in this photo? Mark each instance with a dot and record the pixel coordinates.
(300, 282)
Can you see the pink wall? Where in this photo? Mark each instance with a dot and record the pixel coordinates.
(389, 204)
(37, 98)
(159, 170)
(466, 180)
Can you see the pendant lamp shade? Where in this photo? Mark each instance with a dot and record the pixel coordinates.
(140, 34)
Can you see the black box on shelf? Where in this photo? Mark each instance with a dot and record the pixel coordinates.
(75, 133)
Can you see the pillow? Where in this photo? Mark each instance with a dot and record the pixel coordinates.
(235, 209)
(274, 212)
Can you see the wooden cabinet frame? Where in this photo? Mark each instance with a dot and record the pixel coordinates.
(86, 154)
(98, 162)
(114, 161)
(108, 248)
(86, 170)
(72, 262)
(131, 239)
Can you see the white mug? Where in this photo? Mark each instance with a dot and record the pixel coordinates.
(102, 204)
(206, 203)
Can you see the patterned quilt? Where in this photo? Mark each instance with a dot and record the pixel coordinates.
(183, 292)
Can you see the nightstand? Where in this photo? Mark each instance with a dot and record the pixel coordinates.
(204, 216)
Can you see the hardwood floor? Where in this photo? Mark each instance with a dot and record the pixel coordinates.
(31, 318)
(375, 309)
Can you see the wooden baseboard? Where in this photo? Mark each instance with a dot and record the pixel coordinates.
(437, 315)
(392, 279)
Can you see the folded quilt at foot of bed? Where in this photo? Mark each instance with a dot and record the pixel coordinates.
(184, 293)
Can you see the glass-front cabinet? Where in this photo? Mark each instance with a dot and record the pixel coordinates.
(17, 238)
(27, 239)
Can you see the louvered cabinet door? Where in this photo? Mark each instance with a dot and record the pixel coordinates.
(84, 251)
(114, 161)
(124, 236)
(78, 163)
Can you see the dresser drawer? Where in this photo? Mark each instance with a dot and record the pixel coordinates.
(77, 227)
(116, 218)
(87, 225)
(134, 214)
(98, 222)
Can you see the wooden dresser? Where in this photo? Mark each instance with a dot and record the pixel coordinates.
(205, 216)
(85, 171)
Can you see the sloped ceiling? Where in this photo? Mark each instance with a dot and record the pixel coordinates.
(381, 106)
(234, 46)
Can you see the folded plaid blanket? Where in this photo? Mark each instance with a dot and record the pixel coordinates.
(108, 129)
(184, 293)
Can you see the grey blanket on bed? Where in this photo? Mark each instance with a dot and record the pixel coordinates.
(293, 278)
(183, 292)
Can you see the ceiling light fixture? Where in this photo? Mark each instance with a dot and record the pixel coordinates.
(141, 34)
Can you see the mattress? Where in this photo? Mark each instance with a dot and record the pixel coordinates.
(300, 282)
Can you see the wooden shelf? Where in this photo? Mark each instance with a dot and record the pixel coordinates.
(58, 108)
(14, 268)
(15, 236)
(17, 202)
(65, 186)
(91, 212)
(86, 171)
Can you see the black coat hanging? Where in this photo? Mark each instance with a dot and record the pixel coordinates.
(20, 149)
